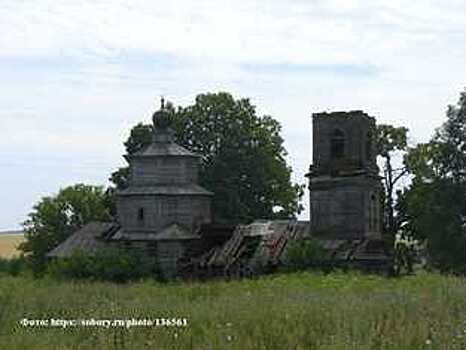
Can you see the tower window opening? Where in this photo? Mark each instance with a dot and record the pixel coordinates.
(141, 214)
(337, 144)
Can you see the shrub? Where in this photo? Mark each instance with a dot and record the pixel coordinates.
(408, 251)
(109, 264)
(304, 253)
(13, 266)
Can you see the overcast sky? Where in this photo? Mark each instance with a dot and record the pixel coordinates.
(76, 75)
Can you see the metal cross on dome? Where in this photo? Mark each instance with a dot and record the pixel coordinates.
(162, 102)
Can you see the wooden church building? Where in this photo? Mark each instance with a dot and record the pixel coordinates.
(167, 215)
(162, 209)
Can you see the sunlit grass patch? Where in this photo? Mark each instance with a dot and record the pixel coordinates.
(9, 245)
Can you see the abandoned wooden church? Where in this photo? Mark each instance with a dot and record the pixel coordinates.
(167, 215)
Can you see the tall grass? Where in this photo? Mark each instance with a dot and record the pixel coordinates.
(284, 311)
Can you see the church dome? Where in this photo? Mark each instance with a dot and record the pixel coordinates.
(162, 117)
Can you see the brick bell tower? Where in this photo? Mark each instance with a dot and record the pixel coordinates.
(344, 184)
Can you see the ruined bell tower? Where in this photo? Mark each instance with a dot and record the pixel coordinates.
(344, 184)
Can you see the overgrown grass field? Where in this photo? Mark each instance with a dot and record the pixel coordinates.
(283, 311)
(9, 245)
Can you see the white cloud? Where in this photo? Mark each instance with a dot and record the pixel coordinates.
(76, 75)
(296, 31)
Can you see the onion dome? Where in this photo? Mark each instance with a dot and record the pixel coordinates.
(162, 118)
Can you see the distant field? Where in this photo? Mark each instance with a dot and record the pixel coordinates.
(9, 243)
(279, 312)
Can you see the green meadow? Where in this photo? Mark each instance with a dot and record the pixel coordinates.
(283, 311)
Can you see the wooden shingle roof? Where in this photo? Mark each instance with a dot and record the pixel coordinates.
(163, 149)
(172, 231)
(180, 189)
(88, 240)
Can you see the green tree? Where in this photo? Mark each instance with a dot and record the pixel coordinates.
(391, 143)
(53, 219)
(140, 136)
(434, 207)
(450, 141)
(444, 157)
(242, 157)
(435, 212)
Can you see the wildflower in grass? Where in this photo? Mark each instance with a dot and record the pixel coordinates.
(428, 341)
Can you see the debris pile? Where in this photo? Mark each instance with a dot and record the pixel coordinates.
(259, 248)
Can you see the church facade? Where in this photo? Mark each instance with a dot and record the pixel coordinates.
(161, 210)
(163, 189)
(344, 184)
